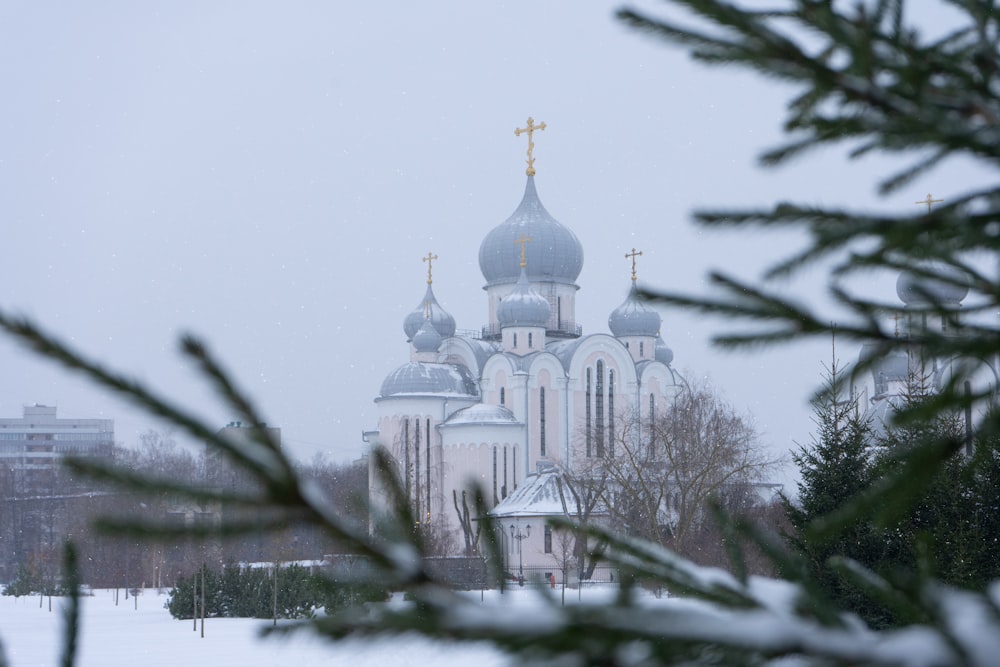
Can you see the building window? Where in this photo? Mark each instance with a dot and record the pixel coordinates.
(515, 340)
(496, 498)
(406, 458)
(501, 396)
(513, 465)
(416, 469)
(611, 412)
(642, 349)
(541, 421)
(503, 489)
(559, 312)
(652, 417)
(586, 428)
(427, 480)
(530, 343)
(548, 539)
(599, 408)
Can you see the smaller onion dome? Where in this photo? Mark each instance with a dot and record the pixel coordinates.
(634, 318)
(919, 290)
(891, 366)
(440, 319)
(662, 353)
(427, 339)
(524, 306)
(419, 378)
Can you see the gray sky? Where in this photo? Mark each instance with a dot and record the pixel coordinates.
(269, 175)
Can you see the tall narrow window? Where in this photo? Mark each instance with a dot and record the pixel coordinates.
(541, 421)
(503, 489)
(548, 539)
(416, 469)
(586, 428)
(406, 459)
(599, 408)
(652, 417)
(642, 348)
(427, 480)
(530, 343)
(515, 340)
(501, 396)
(496, 498)
(513, 474)
(611, 412)
(559, 312)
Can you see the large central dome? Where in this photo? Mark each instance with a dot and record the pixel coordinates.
(554, 254)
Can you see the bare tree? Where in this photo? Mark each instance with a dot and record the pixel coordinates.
(664, 472)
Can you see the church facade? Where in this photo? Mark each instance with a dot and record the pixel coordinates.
(527, 393)
(930, 307)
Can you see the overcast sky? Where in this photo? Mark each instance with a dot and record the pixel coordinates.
(269, 175)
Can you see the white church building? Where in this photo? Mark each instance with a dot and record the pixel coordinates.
(527, 392)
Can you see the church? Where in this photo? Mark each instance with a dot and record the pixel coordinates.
(930, 307)
(506, 405)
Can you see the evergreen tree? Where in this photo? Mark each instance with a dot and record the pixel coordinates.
(835, 468)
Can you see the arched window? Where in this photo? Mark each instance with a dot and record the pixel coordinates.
(406, 459)
(503, 489)
(427, 480)
(652, 417)
(586, 429)
(599, 408)
(611, 412)
(513, 464)
(496, 497)
(541, 421)
(416, 469)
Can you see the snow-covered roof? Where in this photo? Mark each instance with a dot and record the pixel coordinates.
(483, 413)
(428, 379)
(542, 494)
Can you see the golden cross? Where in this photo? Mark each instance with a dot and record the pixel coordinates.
(430, 263)
(530, 129)
(929, 201)
(523, 241)
(632, 255)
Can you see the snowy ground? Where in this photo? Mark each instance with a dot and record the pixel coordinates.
(123, 636)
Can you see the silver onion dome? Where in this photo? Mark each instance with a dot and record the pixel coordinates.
(440, 319)
(913, 289)
(419, 378)
(524, 306)
(427, 339)
(554, 254)
(634, 318)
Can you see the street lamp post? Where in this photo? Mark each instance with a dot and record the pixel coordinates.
(518, 535)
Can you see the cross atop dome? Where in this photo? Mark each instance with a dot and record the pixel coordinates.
(930, 201)
(430, 262)
(632, 255)
(530, 130)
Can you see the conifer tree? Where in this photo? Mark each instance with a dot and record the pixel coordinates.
(835, 468)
